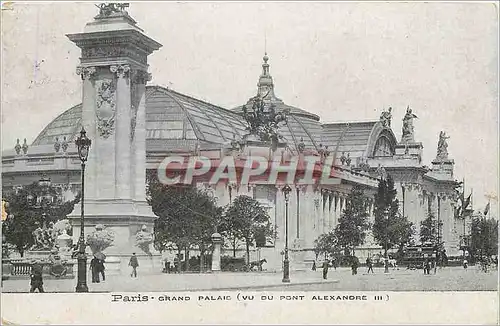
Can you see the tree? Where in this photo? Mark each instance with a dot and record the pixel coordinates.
(484, 237)
(326, 244)
(428, 229)
(187, 217)
(247, 220)
(353, 223)
(390, 228)
(29, 208)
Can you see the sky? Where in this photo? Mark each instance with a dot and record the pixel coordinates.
(341, 61)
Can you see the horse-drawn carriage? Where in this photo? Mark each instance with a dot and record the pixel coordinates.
(237, 264)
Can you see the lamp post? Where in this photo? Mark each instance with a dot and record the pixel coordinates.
(286, 262)
(386, 259)
(83, 145)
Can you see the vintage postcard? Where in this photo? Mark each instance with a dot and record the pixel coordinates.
(249, 162)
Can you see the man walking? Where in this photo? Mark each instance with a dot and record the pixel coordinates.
(354, 265)
(36, 278)
(94, 268)
(326, 264)
(134, 263)
(369, 264)
(100, 269)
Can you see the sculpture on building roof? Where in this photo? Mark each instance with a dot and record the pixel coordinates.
(57, 145)
(17, 147)
(301, 146)
(408, 129)
(25, 147)
(263, 120)
(107, 9)
(385, 118)
(381, 173)
(442, 149)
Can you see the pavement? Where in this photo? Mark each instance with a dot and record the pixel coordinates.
(174, 282)
(445, 279)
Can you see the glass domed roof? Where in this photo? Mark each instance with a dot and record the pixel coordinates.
(170, 116)
(177, 122)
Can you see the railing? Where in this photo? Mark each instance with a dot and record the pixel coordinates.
(23, 268)
(20, 268)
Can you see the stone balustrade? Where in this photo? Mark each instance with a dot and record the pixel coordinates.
(20, 269)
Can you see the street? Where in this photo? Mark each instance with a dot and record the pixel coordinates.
(446, 279)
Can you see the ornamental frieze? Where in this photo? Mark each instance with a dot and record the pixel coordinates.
(112, 51)
(106, 107)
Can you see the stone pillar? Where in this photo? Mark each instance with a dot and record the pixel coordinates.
(216, 254)
(114, 51)
(88, 75)
(138, 133)
(122, 140)
(316, 209)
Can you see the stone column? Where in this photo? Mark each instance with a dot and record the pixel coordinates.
(123, 118)
(88, 75)
(217, 241)
(323, 212)
(138, 133)
(316, 209)
(307, 216)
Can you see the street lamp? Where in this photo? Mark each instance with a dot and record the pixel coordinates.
(83, 145)
(386, 260)
(286, 262)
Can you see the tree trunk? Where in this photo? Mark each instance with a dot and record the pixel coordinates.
(234, 247)
(21, 252)
(186, 257)
(248, 252)
(202, 258)
(179, 250)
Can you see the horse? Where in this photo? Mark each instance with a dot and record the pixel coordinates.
(393, 263)
(257, 264)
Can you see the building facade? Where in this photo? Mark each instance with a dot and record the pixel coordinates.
(176, 124)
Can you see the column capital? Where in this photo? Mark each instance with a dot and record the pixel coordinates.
(121, 71)
(86, 72)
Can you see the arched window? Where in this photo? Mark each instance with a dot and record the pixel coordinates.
(383, 147)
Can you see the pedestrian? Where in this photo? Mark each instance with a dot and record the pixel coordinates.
(466, 264)
(94, 268)
(354, 265)
(326, 264)
(100, 270)
(36, 277)
(314, 266)
(427, 266)
(134, 263)
(369, 264)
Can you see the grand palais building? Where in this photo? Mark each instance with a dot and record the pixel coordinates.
(177, 124)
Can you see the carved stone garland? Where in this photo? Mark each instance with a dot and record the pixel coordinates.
(106, 107)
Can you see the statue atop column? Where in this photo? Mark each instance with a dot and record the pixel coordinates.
(107, 9)
(385, 118)
(442, 148)
(408, 129)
